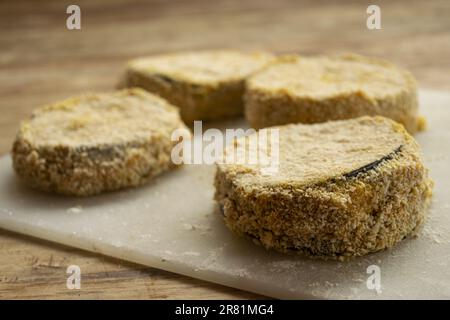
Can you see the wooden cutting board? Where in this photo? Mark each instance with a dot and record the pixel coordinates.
(171, 224)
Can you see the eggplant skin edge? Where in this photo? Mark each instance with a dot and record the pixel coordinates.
(374, 164)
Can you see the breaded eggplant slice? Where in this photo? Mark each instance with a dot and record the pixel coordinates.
(205, 85)
(343, 189)
(320, 89)
(96, 142)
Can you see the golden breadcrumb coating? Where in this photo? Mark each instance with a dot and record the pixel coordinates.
(343, 189)
(205, 85)
(96, 142)
(319, 89)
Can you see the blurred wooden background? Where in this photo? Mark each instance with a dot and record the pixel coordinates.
(41, 61)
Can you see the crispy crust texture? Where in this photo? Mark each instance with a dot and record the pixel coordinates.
(346, 216)
(196, 102)
(83, 169)
(266, 105)
(199, 90)
(84, 172)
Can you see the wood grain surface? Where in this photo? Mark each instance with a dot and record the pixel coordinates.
(41, 61)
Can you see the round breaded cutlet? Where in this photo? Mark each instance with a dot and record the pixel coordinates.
(205, 85)
(96, 142)
(319, 89)
(343, 189)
